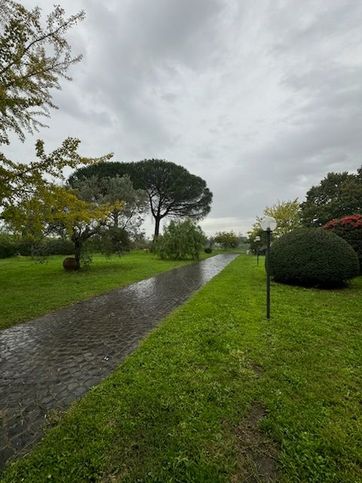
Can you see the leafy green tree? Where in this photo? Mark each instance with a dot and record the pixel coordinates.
(227, 239)
(257, 239)
(181, 240)
(113, 241)
(288, 217)
(111, 190)
(171, 189)
(337, 195)
(34, 56)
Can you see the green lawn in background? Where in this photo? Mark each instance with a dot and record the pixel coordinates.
(29, 289)
(218, 393)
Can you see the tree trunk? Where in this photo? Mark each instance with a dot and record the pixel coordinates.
(115, 216)
(157, 227)
(77, 252)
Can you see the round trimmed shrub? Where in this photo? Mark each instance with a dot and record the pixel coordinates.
(313, 257)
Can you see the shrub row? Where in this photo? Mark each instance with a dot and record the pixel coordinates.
(10, 247)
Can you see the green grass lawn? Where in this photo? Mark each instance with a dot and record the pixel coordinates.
(218, 393)
(29, 289)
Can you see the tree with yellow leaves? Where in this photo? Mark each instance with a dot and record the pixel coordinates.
(56, 209)
(287, 215)
(19, 180)
(34, 56)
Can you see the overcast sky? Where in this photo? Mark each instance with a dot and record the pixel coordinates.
(261, 98)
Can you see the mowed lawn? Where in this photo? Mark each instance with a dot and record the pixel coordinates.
(218, 393)
(29, 289)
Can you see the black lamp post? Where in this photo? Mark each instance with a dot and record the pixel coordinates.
(257, 241)
(268, 224)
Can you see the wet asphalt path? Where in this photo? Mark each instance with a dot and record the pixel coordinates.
(49, 362)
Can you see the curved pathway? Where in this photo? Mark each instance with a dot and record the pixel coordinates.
(51, 361)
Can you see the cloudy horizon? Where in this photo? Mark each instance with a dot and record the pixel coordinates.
(261, 99)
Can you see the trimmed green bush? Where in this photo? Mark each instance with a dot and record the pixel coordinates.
(313, 257)
(208, 250)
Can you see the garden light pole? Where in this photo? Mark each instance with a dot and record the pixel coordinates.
(257, 240)
(268, 224)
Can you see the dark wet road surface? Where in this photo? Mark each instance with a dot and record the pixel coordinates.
(51, 361)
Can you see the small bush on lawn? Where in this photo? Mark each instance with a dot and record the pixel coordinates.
(313, 257)
(208, 250)
(181, 240)
(350, 229)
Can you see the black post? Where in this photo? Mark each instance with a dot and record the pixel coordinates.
(257, 255)
(268, 236)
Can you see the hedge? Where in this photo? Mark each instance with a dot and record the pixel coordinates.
(10, 246)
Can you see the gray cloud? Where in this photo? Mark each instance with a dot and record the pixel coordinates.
(261, 99)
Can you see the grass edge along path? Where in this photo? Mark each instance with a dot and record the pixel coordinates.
(30, 289)
(218, 393)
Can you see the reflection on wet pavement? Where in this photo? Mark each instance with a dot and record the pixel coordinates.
(49, 362)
